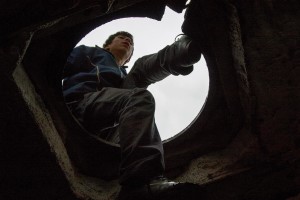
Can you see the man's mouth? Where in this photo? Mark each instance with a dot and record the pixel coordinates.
(126, 44)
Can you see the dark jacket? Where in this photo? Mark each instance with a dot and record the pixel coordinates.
(88, 69)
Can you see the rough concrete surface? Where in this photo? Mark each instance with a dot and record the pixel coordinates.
(244, 144)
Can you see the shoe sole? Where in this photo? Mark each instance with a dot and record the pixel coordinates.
(181, 191)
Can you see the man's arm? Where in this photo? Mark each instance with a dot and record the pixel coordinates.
(79, 61)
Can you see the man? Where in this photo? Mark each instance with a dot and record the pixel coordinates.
(120, 109)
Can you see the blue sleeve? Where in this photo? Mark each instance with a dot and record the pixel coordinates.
(78, 60)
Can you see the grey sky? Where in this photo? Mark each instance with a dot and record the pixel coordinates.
(178, 98)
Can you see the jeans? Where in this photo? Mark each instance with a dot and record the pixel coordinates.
(126, 116)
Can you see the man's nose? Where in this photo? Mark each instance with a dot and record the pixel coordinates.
(129, 40)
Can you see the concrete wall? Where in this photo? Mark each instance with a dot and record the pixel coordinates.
(245, 143)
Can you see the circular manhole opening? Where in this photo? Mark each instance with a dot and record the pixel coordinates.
(179, 99)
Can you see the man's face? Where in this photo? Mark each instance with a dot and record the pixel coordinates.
(123, 44)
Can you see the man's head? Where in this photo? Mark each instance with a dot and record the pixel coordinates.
(120, 45)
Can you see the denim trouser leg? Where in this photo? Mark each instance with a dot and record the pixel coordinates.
(133, 110)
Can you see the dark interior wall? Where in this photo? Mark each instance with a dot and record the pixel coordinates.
(247, 135)
(27, 162)
(271, 41)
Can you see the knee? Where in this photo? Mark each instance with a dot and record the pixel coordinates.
(143, 96)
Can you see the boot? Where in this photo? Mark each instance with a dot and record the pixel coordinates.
(161, 188)
(182, 54)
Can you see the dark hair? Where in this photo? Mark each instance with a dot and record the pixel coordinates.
(112, 37)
